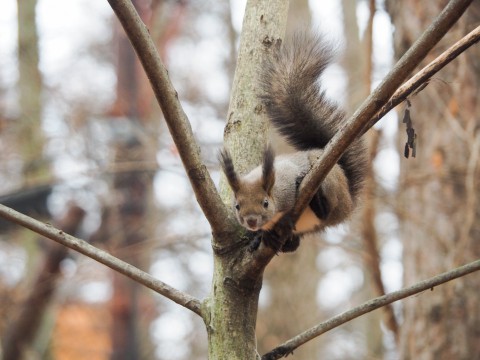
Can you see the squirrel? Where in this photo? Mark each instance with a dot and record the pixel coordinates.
(297, 107)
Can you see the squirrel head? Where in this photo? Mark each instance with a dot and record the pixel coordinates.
(254, 203)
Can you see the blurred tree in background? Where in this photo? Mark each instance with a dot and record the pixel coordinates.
(438, 206)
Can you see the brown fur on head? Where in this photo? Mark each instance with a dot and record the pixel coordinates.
(254, 204)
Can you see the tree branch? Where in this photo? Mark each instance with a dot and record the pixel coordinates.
(424, 75)
(178, 124)
(379, 97)
(289, 346)
(103, 257)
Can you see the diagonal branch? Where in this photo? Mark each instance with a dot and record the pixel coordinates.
(379, 97)
(178, 124)
(423, 76)
(103, 257)
(289, 346)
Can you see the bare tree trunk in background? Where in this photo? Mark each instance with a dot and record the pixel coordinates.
(439, 189)
(359, 66)
(127, 222)
(29, 128)
(291, 284)
(26, 318)
(355, 57)
(132, 192)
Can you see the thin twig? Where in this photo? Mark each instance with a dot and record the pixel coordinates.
(103, 257)
(287, 348)
(424, 75)
(178, 124)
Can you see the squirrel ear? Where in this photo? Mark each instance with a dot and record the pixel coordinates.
(268, 171)
(227, 166)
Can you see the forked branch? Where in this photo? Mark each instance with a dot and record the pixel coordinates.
(423, 77)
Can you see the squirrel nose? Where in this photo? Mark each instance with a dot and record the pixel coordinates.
(252, 223)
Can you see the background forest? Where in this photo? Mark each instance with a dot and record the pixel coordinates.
(83, 146)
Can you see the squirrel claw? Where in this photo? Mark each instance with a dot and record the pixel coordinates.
(255, 243)
(281, 237)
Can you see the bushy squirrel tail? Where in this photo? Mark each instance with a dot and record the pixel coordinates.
(297, 106)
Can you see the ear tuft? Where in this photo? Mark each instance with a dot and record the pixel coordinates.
(268, 170)
(228, 169)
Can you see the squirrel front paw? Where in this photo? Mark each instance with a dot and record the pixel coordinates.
(281, 237)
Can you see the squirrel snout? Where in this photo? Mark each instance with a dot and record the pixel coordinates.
(252, 222)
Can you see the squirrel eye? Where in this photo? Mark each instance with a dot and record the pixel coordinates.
(265, 203)
(237, 206)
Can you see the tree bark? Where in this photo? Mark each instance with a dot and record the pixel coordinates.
(439, 195)
(233, 303)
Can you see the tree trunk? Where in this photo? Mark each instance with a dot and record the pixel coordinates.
(233, 304)
(438, 191)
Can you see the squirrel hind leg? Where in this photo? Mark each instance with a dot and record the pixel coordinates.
(320, 205)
